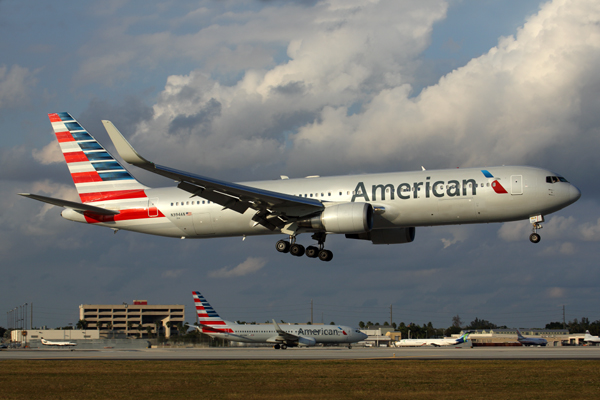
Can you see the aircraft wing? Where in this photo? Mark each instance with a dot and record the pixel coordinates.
(288, 337)
(81, 207)
(270, 205)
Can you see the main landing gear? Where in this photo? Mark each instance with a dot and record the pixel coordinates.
(296, 249)
(280, 346)
(536, 222)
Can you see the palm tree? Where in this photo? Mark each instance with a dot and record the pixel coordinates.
(82, 324)
(109, 326)
(99, 325)
(149, 331)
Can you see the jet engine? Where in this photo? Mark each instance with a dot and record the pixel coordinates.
(386, 236)
(306, 341)
(345, 218)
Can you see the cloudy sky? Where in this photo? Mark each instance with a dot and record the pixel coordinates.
(250, 90)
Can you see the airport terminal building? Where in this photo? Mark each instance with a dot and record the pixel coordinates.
(132, 320)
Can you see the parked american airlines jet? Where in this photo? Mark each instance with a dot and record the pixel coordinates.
(382, 208)
(433, 342)
(289, 336)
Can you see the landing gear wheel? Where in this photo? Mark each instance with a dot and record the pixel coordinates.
(283, 347)
(312, 252)
(283, 246)
(297, 250)
(325, 255)
(535, 238)
(276, 347)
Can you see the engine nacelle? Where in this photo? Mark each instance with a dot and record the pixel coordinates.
(345, 218)
(306, 341)
(387, 236)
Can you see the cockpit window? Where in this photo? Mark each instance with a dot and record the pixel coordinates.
(554, 179)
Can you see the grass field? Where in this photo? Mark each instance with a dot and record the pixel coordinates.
(372, 379)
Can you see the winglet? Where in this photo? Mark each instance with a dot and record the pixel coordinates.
(277, 328)
(125, 150)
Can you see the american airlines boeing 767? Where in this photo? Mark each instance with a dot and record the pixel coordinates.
(382, 208)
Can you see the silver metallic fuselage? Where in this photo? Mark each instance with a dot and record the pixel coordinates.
(402, 199)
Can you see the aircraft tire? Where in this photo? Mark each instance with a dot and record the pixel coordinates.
(312, 252)
(297, 250)
(325, 255)
(283, 347)
(283, 246)
(535, 238)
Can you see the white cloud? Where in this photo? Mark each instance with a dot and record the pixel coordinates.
(340, 58)
(250, 266)
(173, 273)
(49, 154)
(16, 84)
(555, 292)
(513, 101)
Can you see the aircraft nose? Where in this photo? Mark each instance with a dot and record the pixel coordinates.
(574, 194)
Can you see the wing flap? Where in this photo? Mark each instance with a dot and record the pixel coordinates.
(81, 207)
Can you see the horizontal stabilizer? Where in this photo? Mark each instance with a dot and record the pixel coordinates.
(71, 204)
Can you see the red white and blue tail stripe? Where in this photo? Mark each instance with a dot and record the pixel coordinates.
(95, 172)
(208, 318)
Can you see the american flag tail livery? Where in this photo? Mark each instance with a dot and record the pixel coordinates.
(207, 316)
(95, 172)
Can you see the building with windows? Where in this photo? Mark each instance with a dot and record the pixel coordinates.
(138, 319)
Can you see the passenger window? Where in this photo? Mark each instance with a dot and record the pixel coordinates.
(177, 203)
(329, 194)
(311, 195)
(171, 204)
(187, 203)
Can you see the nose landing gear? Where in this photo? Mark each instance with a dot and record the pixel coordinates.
(536, 224)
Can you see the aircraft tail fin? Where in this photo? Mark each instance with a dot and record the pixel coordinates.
(96, 173)
(519, 335)
(207, 316)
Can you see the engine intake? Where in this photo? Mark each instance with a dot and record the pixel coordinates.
(345, 218)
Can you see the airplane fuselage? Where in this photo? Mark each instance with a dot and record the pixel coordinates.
(403, 199)
(326, 334)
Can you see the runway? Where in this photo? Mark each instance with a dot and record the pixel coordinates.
(327, 353)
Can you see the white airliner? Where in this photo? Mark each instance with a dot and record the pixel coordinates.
(529, 341)
(51, 343)
(382, 208)
(590, 338)
(282, 337)
(433, 342)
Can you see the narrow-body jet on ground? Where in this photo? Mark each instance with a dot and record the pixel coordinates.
(529, 341)
(433, 342)
(281, 336)
(58, 344)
